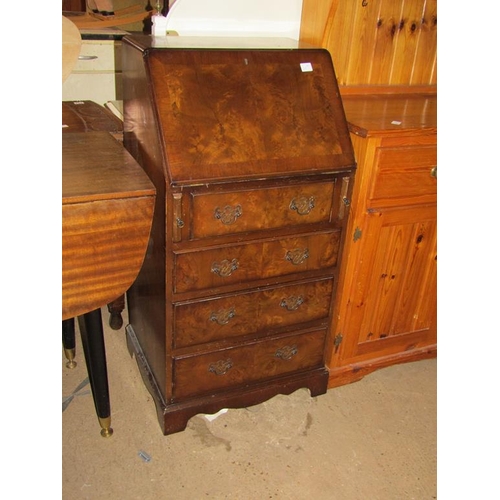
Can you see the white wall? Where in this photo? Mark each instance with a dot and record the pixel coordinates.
(277, 18)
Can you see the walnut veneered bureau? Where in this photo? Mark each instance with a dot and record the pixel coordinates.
(250, 154)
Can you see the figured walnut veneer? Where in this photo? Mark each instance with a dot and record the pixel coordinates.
(251, 157)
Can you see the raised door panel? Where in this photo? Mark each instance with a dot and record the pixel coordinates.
(393, 306)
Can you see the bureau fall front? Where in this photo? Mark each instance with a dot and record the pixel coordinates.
(248, 148)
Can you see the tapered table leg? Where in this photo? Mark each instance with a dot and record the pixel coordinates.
(68, 340)
(92, 334)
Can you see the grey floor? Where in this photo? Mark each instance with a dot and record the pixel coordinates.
(374, 439)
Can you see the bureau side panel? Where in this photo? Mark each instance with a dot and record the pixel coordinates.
(146, 297)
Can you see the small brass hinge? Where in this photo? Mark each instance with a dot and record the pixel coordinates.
(357, 234)
(337, 341)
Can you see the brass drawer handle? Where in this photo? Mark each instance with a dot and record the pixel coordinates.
(297, 256)
(434, 172)
(228, 215)
(223, 316)
(221, 367)
(292, 303)
(225, 268)
(287, 352)
(302, 205)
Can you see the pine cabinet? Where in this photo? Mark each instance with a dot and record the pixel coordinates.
(251, 157)
(386, 301)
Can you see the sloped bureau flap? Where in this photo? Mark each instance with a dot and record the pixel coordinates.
(226, 114)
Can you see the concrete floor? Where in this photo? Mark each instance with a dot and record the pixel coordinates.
(374, 439)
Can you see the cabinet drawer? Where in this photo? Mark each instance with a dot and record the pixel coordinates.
(238, 211)
(249, 363)
(99, 88)
(404, 175)
(238, 263)
(99, 56)
(247, 313)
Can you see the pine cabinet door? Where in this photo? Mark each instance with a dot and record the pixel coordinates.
(393, 297)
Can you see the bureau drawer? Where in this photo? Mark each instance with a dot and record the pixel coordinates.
(245, 364)
(239, 263)
(404, 175)
(249, 313)
(216, 214)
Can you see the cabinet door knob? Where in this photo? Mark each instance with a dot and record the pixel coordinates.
(86, 58)
(434, 172)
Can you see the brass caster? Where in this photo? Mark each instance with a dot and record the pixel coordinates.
(106, 433)
(70, 356)
(106, 430)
